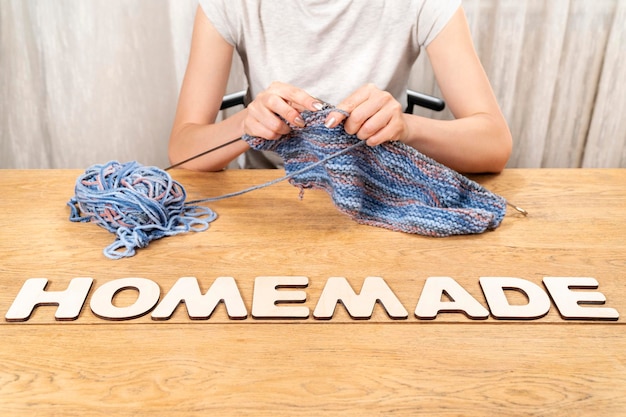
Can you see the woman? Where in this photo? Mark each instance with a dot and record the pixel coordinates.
(356, 55)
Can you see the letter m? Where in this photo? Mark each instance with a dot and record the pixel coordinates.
(359, 306)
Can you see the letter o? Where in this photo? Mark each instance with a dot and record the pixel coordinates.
(102, 299)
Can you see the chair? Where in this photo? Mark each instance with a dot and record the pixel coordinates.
(423, 100)
(413, 99)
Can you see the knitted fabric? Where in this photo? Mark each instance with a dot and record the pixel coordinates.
(390, 185)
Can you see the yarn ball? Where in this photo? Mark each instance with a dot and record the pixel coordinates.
(391, 185)
(137, 203)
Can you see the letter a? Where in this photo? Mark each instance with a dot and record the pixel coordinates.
(430, 304)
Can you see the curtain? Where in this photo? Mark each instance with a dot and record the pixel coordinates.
(85, 82)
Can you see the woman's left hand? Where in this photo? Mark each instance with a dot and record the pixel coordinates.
(375, 116)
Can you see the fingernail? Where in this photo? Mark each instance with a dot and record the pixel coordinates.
(318, 105)
(299, 121)
(330, 122)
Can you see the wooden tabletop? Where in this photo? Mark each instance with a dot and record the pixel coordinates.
(451, 365)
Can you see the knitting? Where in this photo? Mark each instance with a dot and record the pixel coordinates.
(390, 185)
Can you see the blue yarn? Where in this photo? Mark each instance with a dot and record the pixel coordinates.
(137, 203)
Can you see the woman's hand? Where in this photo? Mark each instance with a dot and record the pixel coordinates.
(267, 113)
(375, 116)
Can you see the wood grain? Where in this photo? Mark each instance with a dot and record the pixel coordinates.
(326, 369)
(449, 366)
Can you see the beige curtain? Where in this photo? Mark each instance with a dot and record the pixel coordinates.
(88, 81)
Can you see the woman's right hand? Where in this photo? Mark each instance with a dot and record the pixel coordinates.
(280, 102)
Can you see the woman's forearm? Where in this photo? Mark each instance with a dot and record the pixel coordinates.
(478, 143)
(190, 139)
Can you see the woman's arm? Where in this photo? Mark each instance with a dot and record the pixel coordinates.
(194, 130)
(203, 88)
(478, 140)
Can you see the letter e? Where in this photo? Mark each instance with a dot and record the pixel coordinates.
(569, 302)
(267, 297)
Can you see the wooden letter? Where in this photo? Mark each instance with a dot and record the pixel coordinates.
(569, 302)
(200, 307)
(538, 304)
(267, 297)
(359, 306)
(102, 300)
(33, 294)
(430, 303)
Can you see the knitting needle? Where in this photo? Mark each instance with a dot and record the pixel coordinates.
(519, 209)
(202, 154)
(326, 106)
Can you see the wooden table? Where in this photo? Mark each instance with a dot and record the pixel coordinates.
(452, 365)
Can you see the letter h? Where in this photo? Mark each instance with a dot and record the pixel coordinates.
(33, 294)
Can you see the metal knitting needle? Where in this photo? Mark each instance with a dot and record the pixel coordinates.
(518, 209)
(202, 154)
(325, 104)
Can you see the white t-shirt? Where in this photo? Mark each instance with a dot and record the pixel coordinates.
(329, 48)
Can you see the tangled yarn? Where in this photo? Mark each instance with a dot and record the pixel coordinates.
(137, 203)
(390, 185)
